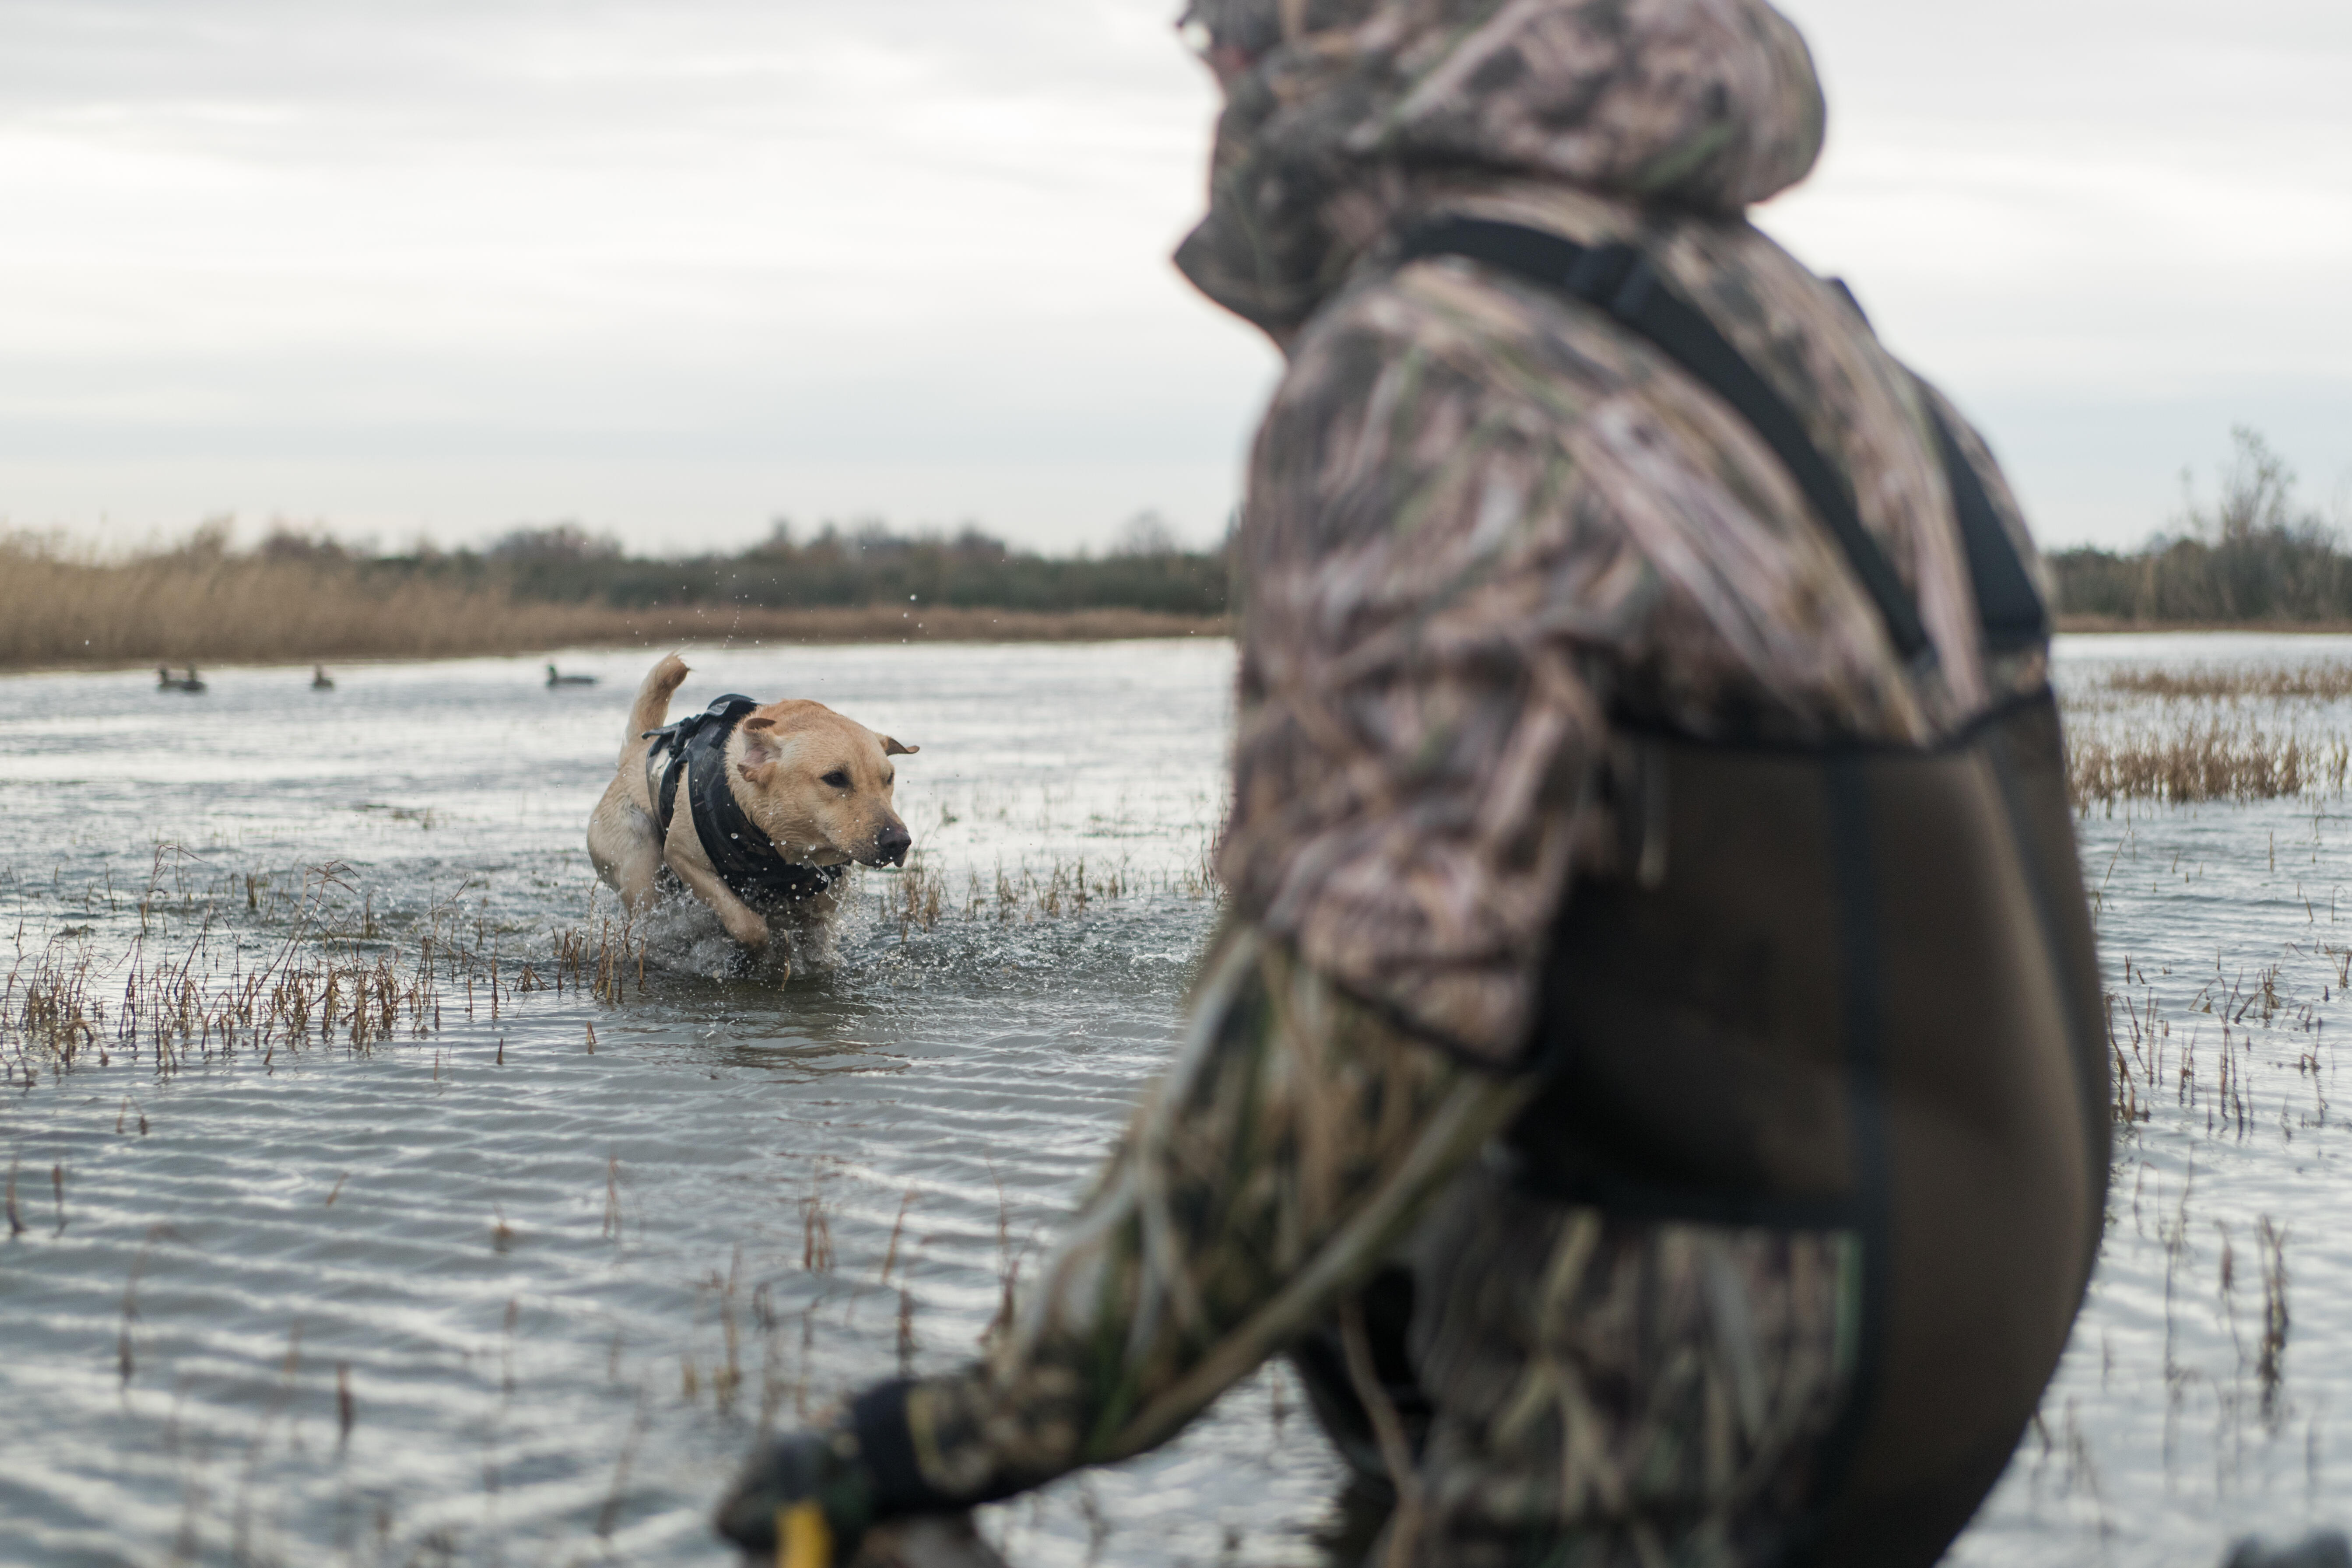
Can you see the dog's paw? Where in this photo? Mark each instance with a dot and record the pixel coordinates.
(746, 928)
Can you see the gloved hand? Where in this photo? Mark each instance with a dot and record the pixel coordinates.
(811, 1486)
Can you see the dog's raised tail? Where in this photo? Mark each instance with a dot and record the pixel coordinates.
(651, 709)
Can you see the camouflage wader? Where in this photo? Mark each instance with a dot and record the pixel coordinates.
(1506, 565)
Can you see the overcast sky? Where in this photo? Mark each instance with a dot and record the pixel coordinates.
(676, 268)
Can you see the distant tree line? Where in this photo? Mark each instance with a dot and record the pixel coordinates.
(866, 564)
(2252, 555)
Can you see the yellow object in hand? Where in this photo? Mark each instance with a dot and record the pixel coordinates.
(803, 1540)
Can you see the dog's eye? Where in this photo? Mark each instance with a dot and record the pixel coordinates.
(839, 778)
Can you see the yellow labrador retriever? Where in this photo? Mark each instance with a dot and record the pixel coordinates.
(760, 809)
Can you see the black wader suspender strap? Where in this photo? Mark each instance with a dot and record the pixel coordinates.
(1620, 281)
(2008, 603)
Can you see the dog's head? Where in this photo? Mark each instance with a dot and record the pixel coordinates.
(819, 785)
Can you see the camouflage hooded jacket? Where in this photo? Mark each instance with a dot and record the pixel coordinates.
(1485, 530)
(1485, 524)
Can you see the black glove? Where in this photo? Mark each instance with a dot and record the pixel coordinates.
(820, 1467)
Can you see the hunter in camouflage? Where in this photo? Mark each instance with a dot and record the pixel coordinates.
(1491, 539)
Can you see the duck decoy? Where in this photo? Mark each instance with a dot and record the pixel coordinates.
(555, 680)
(320, 679)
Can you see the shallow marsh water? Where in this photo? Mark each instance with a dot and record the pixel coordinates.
(454, 1288)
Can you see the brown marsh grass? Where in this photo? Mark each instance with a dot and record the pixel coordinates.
(2323, 682)
(2184, 736)
(335, 976)
(338, 977)
(2194, 763)
(194, 608)
(920, 898)
(2232, 1023)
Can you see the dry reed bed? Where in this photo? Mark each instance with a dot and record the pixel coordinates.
(2197, 736)
(2149, 1062)
(2320, 681)
(2238, 1021)
(188, 610)
(920, 897)
(2214, 762)
(2186, 736)
(342, 977)
(179, 997)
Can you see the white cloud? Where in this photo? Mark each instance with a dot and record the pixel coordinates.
(675, 269)
(444, 266)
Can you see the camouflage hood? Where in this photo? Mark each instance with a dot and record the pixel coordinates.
(1352, 109)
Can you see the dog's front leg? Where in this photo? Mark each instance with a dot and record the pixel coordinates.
(743, 922)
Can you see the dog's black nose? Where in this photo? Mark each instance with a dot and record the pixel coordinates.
(891, 846)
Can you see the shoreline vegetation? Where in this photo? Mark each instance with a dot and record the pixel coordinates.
(2250, 560)
(2254, 558)
(2170, 734)
(301, 597)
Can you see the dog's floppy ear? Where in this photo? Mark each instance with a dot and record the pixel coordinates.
(891, 748)
(760, 748)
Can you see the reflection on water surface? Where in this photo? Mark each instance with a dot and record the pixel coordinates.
(503, 1251)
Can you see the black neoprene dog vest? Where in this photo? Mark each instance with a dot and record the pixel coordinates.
(740, 849)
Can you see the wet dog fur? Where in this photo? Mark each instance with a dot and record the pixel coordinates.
(819, 785)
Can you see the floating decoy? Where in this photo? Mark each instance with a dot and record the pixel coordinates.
(555, 680)
(320, 679)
